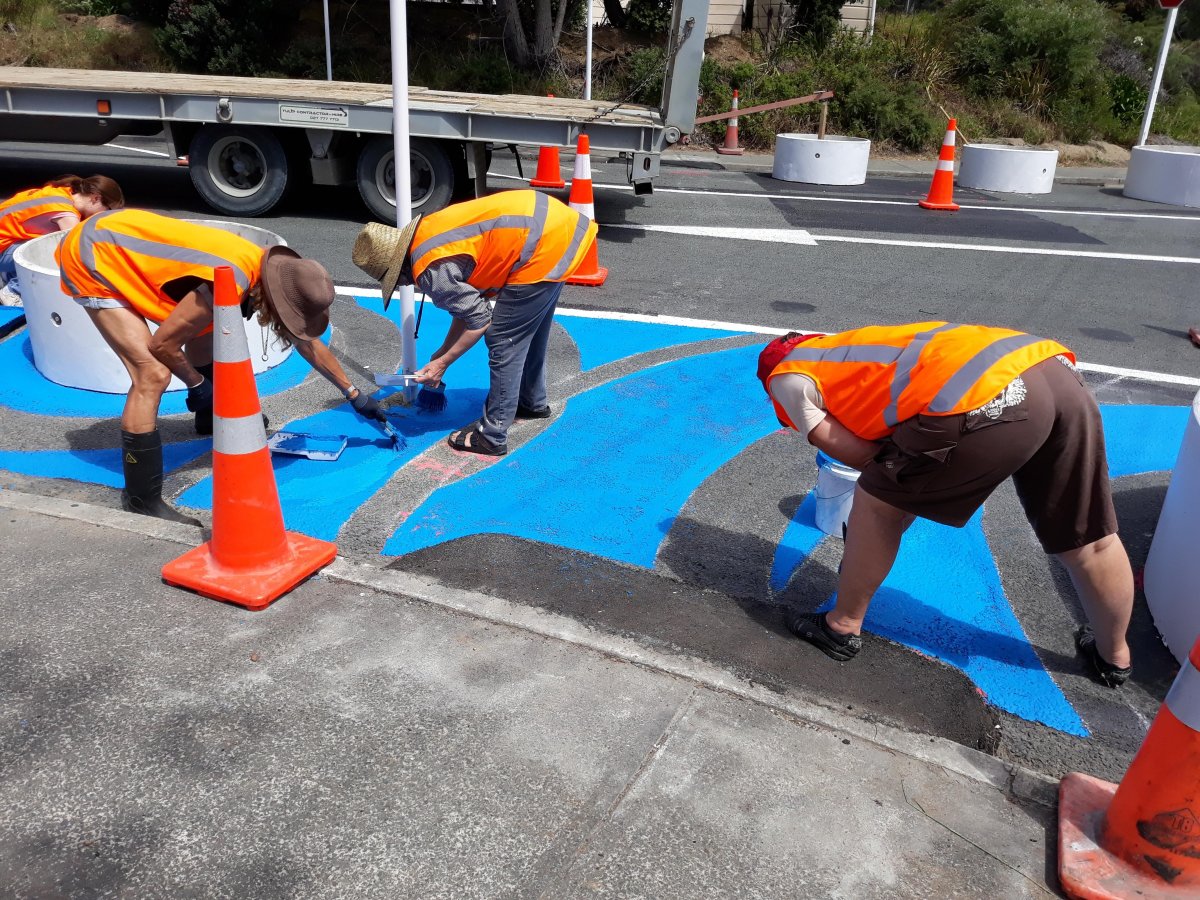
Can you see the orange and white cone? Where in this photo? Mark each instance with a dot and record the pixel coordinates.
(250, 560)
(941, 190)
(549, 169)
(1140, 838)
(583, 201)
(730, 146)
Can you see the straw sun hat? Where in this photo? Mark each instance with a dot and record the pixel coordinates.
(380, 251)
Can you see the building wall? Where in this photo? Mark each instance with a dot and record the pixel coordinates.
(725, 16)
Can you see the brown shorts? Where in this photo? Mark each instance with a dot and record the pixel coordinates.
(1051, 443)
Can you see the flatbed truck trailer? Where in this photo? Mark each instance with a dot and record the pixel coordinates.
(248, 141)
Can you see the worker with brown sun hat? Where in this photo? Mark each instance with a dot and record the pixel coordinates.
(129, 267)
(515, 248)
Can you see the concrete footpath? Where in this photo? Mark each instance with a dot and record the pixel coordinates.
(374, 734)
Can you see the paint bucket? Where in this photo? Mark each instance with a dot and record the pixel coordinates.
(834, 494)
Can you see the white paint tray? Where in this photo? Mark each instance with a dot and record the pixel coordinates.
(321, 447)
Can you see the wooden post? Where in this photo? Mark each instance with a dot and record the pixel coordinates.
(824, 113)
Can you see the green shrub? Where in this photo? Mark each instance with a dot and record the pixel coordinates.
(649, 16)
(225, 37)
(1127, 99)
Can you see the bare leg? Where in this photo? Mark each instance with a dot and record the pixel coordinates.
(127, 334)
(199, 350)
(872, 542)
(1103, 580)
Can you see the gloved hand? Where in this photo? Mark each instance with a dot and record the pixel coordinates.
(200, 401)
(367, 407)
(200, 397)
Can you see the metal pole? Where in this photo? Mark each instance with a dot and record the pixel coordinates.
(871, 19)
(1168, 30)
(399, 38)
(328, 47)
(587, 57)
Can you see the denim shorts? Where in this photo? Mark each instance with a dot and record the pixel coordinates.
(102, 303)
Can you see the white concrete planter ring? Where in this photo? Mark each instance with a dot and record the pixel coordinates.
(67, 348)
(1170, 582)
(1164, 175)
(830, 160)
(1008, 170)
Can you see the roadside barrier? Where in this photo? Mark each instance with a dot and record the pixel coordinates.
(941, 189)
(549, 170)
(250, 560)
(730, 146)
(582, 200)
(1140, 838)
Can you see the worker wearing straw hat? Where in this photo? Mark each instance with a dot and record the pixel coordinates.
(936, 416)
(129, 267)
(516, 248)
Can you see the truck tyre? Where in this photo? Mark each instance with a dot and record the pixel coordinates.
(238, 170)
(431, 174)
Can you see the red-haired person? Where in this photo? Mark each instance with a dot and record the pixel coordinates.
(58, 205)
(936, 416)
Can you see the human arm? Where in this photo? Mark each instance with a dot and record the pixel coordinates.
(191, 315)
(321, 358)
(445, 283)
(838, 441)
(801, 399)
(66, 221)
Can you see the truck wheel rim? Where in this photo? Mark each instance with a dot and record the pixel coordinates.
(420, 175)
(237, 166)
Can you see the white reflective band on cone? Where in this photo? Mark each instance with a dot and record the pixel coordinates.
(587, 209)
(239, 436)
(583, 168)
(948, 140)
(945, 165)
(1184, 697)
(227, 325)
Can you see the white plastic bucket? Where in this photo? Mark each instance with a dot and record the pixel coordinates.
(834, 494)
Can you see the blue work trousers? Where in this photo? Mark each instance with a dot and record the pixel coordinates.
(516, 342)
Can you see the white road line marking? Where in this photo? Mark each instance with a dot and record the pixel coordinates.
(715, 325)
(805, 238)
(1096, 213)
(138, 150)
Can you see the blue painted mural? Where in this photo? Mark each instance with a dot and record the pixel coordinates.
(609, 476)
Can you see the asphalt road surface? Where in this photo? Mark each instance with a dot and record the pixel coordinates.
(661, 503)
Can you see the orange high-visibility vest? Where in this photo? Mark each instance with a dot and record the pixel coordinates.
(20, 209)
(514, 237)
(129, 254)
(874, 378)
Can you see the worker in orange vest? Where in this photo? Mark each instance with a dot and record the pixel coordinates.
(57, 205)
(515, 248)
(936, 416)
(130, 267)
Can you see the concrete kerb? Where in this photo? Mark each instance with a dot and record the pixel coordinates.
(1017, 781)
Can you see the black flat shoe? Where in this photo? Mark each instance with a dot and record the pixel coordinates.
(813, 628)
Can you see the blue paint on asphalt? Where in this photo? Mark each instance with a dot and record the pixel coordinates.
(613, 471)
(94, 466)
(318, 498)
(603, 341)
(1143, 438)
(799, 540)
(25, 389)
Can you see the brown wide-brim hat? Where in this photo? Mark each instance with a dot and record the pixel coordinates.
(380, 251)
(299, 290)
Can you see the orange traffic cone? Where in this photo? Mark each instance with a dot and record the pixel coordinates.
(941, 190)
(1140, 838)
(250, 559)
(549, 171)
(730, 146)
(582, 200)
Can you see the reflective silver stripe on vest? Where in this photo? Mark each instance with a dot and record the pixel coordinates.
(239, 436)
(87, 234)
(72, 287)
(227, 324)
(1184, 697)
(87, 252)
(36, 201)
(975, 368)
(541, 207)
(904, 369)
(855, 353)
(560, 268)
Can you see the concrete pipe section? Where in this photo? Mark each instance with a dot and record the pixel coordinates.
(1164, 175)
(1170, 584)
(67, 348)
(830, 160)
(1009, 170)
